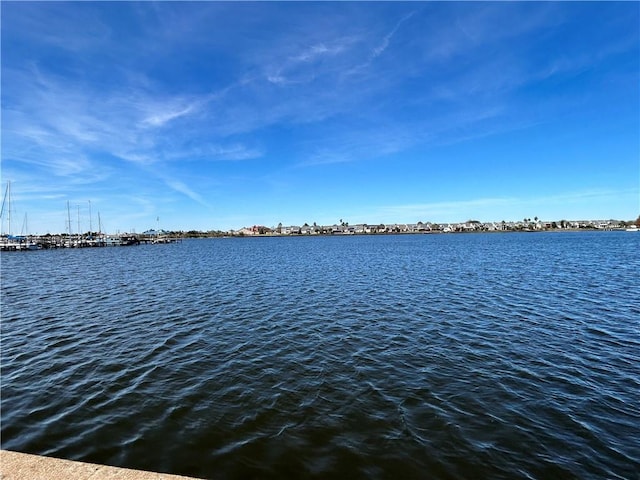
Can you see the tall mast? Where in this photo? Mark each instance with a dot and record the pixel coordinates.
(69, 221)
(9, 210)
(4, 200)
(90, 226)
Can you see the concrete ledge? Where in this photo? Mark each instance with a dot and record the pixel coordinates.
(23, 466)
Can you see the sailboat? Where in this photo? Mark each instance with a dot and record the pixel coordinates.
(29, 244)
(8, 241)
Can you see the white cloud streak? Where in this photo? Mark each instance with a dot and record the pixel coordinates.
(161, 118)
(182, 188)
(387, 38)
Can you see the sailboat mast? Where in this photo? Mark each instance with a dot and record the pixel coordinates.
(4, 200)
(9, 209)
(69, 221)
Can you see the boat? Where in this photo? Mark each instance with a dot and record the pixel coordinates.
(121, 240)
(128, 240)
(9, 242)
(632, 228)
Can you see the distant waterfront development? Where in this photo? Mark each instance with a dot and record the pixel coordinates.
(10, 242)
(525, 225)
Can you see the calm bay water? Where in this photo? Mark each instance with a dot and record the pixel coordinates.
(421, 356)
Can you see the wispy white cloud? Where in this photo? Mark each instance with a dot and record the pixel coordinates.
(63, 135)
(316, 51)
(360, 67)
(304, 66)
(377, 51)
(59, 116)
(233, 152)
(184, 189)
(160, 118)
(210, 152)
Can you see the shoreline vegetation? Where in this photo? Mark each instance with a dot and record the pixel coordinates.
(99, 239)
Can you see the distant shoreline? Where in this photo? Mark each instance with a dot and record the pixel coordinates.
(176, 236)
(96, 239)
(490, 232)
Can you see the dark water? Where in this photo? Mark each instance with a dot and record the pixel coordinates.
(424, 356)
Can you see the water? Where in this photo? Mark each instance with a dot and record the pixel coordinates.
(423, 356)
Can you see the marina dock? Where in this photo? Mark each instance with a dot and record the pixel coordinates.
(29, 243)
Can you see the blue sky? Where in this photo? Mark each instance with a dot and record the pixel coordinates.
(216, 115)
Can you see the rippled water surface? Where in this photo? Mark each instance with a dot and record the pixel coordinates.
(422, 356)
